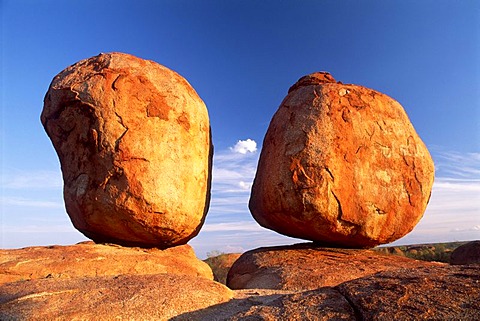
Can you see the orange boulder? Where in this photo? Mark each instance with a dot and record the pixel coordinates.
(134, 143)
(341, 165)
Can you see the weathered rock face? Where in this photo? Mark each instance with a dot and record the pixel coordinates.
(125, 297)
(466, 254)
(134, 143)
(428, 293)
(307, 267)
(433, 293)
(341, 165)
(90, 260)
(268, 305)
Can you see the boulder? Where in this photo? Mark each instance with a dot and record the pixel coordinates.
(341, 165)
(91, 260)
(134, 143)
(125, 297)
(307, 267)
(468, 253)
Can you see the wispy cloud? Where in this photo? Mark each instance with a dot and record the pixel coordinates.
(26, 202)
(232, 177)
(454, 164)
(37, 179)
(475, 228)
(245, 226)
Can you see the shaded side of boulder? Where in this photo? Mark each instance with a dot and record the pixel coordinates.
(90, 260)
(126, 297)
(134, 143)
(341, 165)
(308, 267)
(466, 254)
(426, 293)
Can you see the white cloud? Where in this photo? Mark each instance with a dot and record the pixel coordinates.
(244, 186)
(245, 146)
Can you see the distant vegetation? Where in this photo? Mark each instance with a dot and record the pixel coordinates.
(220, 263)
(438, 252)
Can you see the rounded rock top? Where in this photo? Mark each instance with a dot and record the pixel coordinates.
(316, 78)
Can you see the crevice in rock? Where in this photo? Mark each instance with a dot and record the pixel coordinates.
(114, 82)
(340, 212)
(331, 175)
(342, 221)
(117, 142)
(405, 187)
(358, 313)
(136, 158)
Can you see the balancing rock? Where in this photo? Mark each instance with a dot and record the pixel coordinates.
(134, 143)
(341, 165)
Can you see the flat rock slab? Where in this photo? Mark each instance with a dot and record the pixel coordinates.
(125, 297)
(259, 304)
(426, 293)
(90, 260)
(307, 267)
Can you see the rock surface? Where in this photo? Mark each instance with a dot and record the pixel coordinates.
(430, 293)
(307, 267)
(341, 165)
(466, 254)
(91, 260)
(272, 305)
(125, 297)
(426, 293)
(221, 264)
(134, 143)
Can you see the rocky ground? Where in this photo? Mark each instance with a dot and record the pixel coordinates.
(89, 281)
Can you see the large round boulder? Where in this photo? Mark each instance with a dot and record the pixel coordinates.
(341, 165)
(134, 143)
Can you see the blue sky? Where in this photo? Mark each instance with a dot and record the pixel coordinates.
(241, 57)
